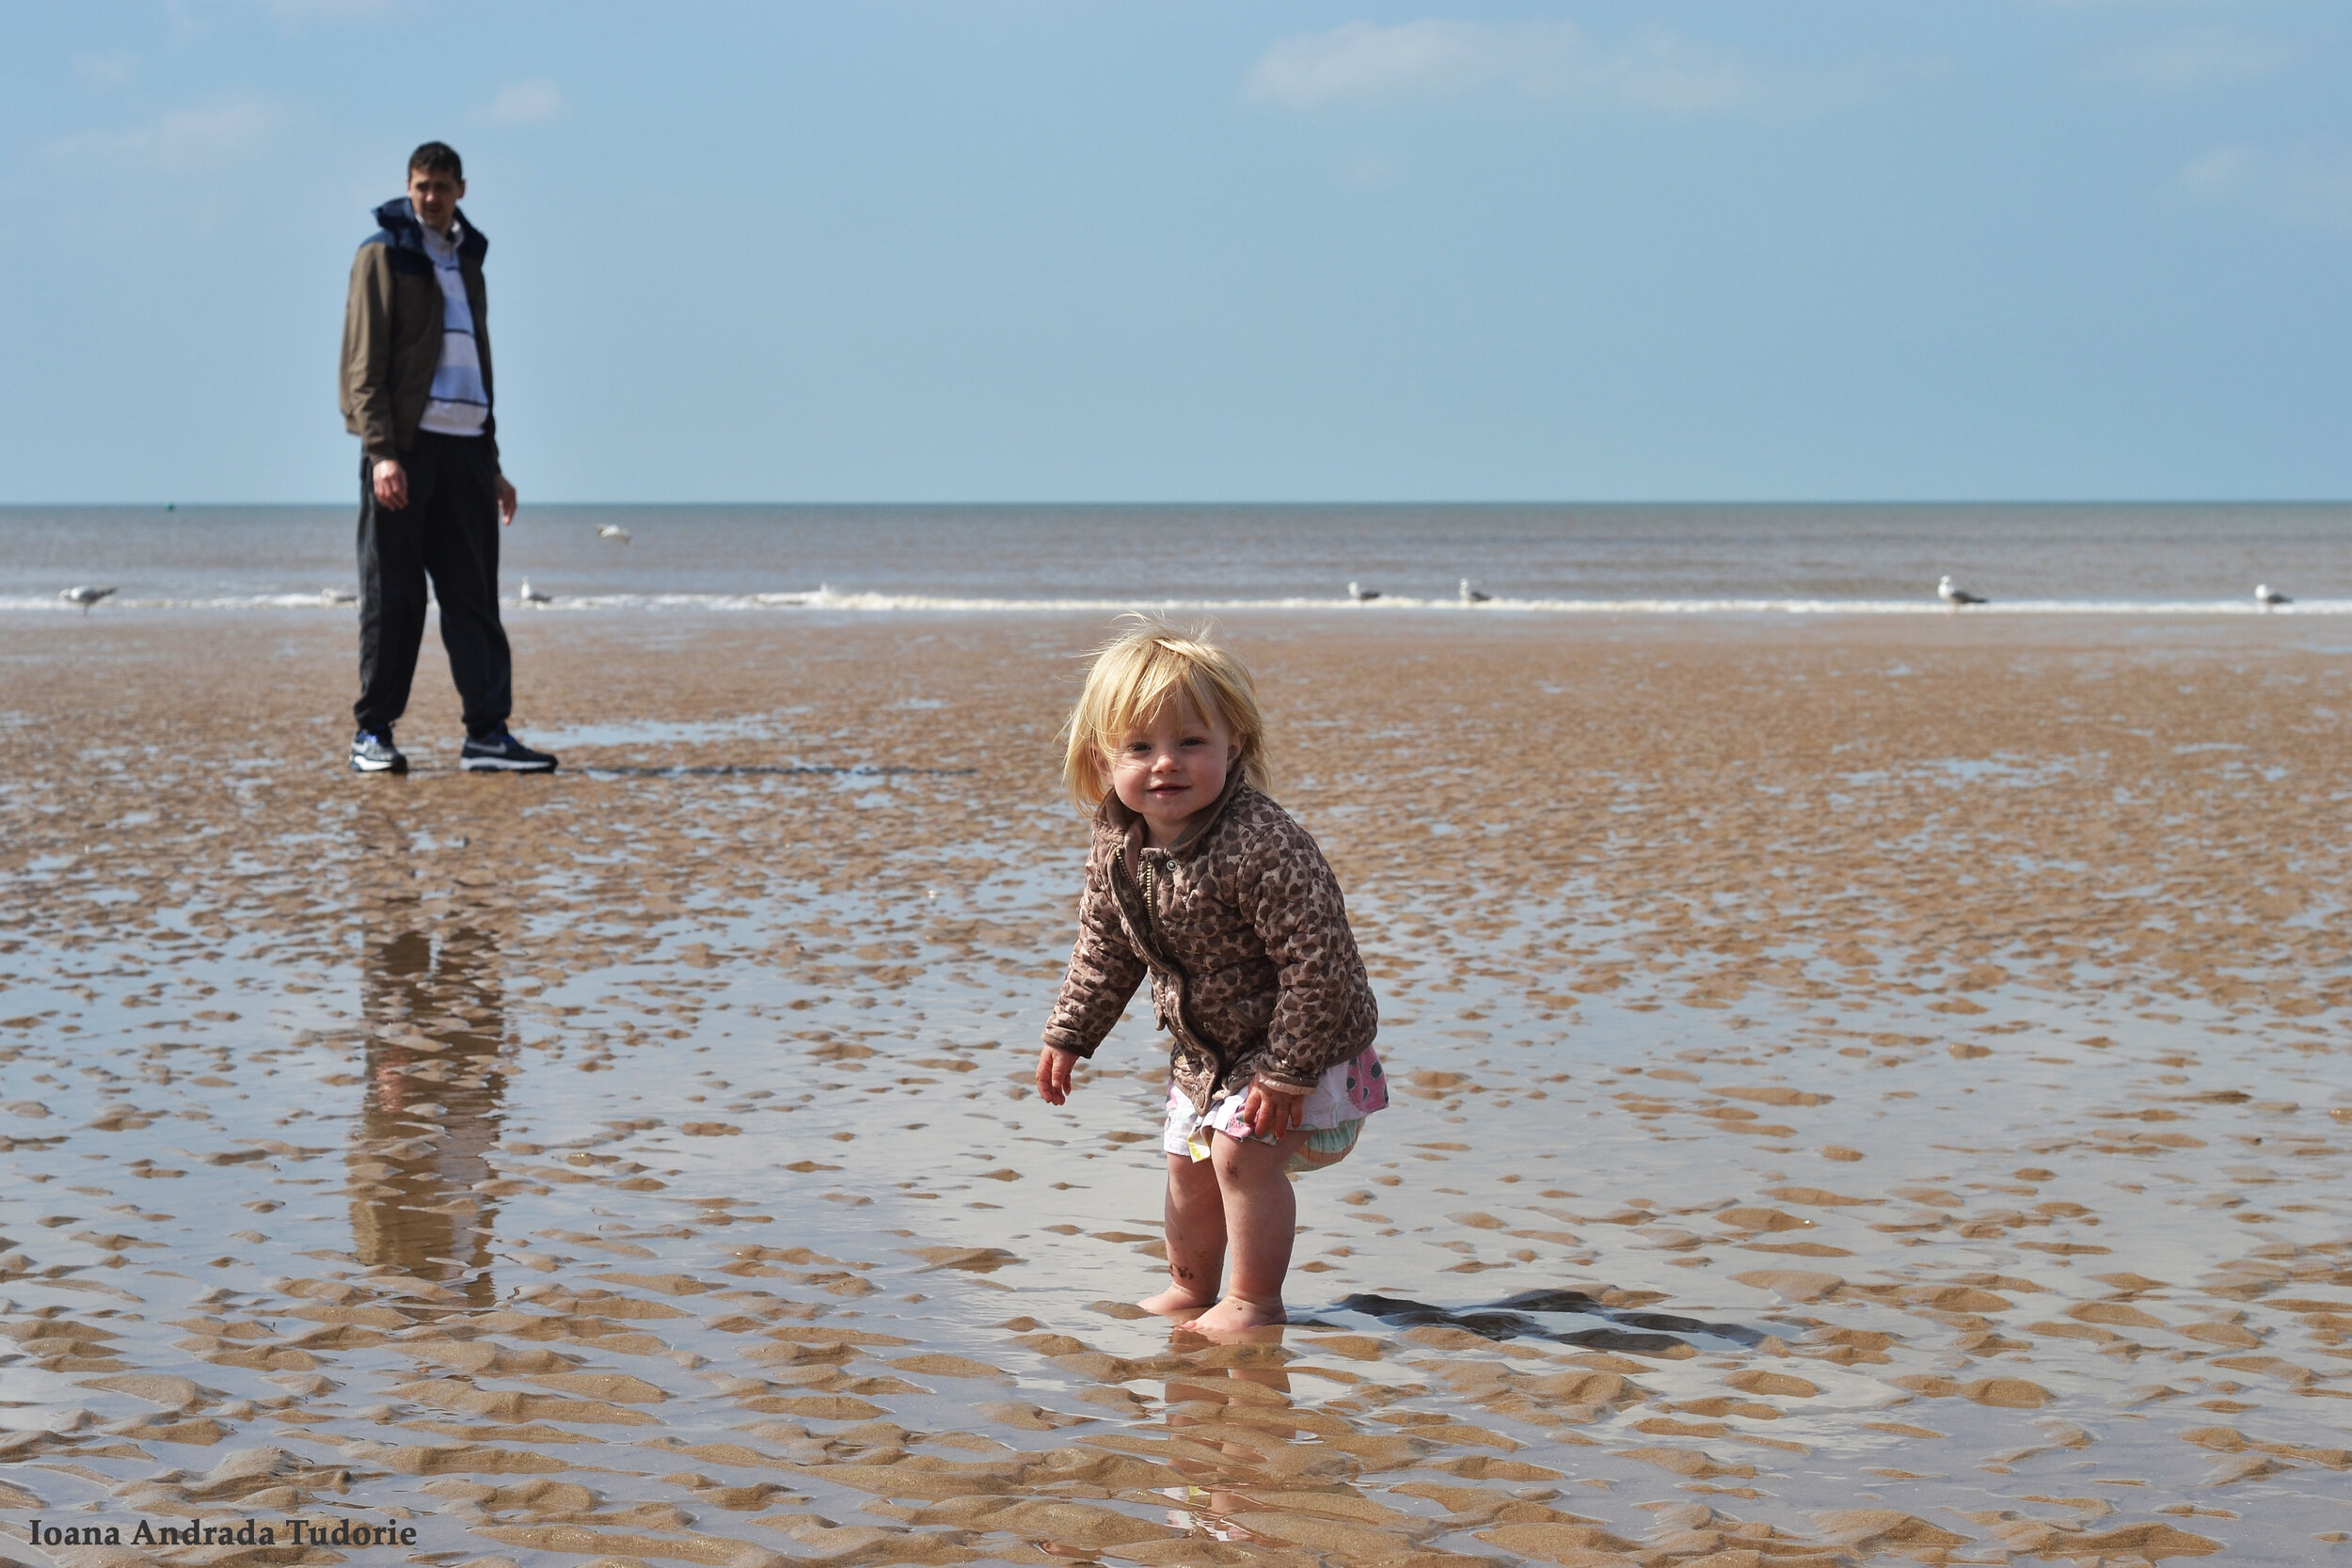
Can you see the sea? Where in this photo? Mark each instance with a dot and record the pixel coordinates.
(1497, 559)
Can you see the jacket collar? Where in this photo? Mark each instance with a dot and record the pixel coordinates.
(1129, 826)
(398, 217)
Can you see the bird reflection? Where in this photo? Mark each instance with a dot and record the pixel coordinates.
(435, 1022)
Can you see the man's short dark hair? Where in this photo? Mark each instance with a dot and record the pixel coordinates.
(437, 157)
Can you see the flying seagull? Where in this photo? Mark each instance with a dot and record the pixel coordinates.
(1360, 593)
(2266, 595)
(1471, 596)
(85, 596)
(532, 596)
(613, 531)
(1955, 596)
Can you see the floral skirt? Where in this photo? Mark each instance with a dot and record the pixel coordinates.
(1332, 1118)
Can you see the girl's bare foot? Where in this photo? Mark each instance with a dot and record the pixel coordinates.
(1236, 1313)
(1175, 1299)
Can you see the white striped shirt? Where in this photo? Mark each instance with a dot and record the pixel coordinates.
(459, 403)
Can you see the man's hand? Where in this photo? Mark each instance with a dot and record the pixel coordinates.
(1052, 1073)
(507, 502)
(1272, 1111)
(391, 484)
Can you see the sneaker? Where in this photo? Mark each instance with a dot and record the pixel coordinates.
(373, 752)
(502, 753)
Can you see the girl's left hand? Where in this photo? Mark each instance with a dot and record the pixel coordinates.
(1272, 1111)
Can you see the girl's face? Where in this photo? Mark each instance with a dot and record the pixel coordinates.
(1171, 768)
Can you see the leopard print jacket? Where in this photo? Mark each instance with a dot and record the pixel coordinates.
(1242, 929)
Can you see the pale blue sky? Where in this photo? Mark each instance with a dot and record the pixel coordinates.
(1047, 249)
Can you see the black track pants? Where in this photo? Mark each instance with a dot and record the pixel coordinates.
(449, 532)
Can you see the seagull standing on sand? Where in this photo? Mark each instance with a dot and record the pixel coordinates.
(613, 531)
(85, 596)
(532, 596)
(1471, 596)
(1955, 596)
(2266, 596)
(1362, 594)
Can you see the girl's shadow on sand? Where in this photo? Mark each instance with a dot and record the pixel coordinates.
(1511, 1319)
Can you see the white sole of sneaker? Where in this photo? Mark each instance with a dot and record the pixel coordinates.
(360, 767)
(499, 765)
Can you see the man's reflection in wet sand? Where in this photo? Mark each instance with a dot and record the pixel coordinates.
(436, 1021)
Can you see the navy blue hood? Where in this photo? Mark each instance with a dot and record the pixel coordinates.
(401, 231)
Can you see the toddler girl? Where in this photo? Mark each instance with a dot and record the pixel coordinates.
(1199, 878)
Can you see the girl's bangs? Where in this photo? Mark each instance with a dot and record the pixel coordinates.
(1165, 677)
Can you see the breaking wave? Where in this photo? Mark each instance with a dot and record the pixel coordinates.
(850, 601)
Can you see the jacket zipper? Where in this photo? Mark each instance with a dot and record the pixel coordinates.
(1146, 882)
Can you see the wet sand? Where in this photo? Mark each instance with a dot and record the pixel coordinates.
(1870, 1093)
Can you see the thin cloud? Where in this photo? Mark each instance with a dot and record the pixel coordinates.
(193, 18)
(1444, 58)
(533, 102)
(2194, 59)
(2304, 187)
(209, 140)
(296, 13)
(331, 11)
(104, 71)
(2148, 5)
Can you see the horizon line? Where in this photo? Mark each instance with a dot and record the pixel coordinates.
(1440, 501)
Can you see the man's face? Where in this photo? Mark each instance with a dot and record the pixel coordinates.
(434, 193)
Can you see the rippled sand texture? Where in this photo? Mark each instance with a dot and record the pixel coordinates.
(1871, 1094)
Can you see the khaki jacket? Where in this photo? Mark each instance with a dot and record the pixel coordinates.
(392, 331)
(1245, 935)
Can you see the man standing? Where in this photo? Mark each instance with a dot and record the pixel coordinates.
(416, 390)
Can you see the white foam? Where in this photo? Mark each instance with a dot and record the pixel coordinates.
(226, 601)
(829, 599)
(835, 599)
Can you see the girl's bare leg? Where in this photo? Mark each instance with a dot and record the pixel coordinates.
(1261, 1217)
(1195, 1235)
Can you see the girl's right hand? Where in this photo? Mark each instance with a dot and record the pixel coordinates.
(1052, 1073)
(1272, 1111)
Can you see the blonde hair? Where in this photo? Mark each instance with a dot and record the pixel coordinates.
(1137, 675)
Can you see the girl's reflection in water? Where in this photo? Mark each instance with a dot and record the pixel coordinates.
(1206, 1397)
(436, 1021)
